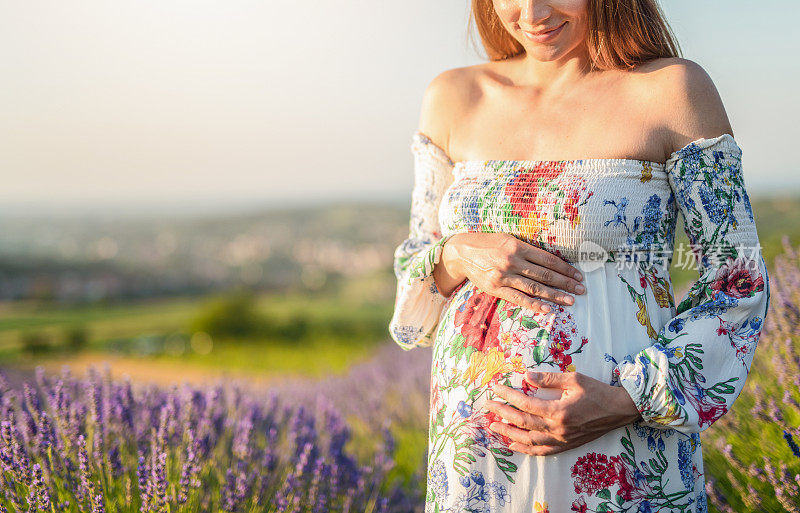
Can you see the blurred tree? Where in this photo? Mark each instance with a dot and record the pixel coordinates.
(35, 341)
(76, 337)
(233, 315)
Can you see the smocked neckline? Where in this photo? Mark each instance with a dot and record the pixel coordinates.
(589, 162)
(726, 140)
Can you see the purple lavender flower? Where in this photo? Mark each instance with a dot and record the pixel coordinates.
(40, 488)
(142, 472)
(94, 439)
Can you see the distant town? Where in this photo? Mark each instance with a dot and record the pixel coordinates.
(75, 260)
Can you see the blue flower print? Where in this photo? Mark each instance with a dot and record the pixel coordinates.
(651, 224)
(719, 305)
(655, 437)
(677, 324)
(437, 483)
(471, 212)
(477, 477)
(701, 505)
(685, 463)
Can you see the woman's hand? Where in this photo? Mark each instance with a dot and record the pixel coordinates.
(509, 268)
(588, 409)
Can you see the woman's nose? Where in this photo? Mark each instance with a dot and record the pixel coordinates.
(534, 12)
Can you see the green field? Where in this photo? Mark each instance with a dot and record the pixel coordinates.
(157, 335)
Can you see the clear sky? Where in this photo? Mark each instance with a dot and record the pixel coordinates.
(160, 103)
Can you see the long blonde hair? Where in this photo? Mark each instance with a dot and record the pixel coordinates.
(622, 33)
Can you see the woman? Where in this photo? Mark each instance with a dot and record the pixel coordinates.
(573, 149)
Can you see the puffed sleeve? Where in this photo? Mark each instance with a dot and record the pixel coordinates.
(695, 369)
(418, 302)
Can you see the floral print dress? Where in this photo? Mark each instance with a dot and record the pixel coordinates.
(683, 363)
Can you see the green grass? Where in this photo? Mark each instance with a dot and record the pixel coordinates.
(309, 359)
(138, 331)
(104, 321)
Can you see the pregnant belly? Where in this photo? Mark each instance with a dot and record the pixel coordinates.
(484, 339)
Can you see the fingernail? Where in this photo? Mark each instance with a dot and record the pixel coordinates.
(568, 299)
(545, 308)
(580, 288)
(578, 276)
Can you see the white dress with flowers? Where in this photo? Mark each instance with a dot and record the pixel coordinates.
(682, 363)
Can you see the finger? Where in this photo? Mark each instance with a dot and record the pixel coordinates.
(537, 450)
(529, 404)
(524, 300)
(516, 417)
(543, 379)
(546, 450)
(529, 442)
(542, 438)
(516, 434)
(549, 260)
(535, 288)
(523, 448)
(527, 436)
(552, 278)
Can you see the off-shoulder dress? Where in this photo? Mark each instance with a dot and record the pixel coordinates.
(682, 363)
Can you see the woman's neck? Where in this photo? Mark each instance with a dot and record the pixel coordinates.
(528, 71)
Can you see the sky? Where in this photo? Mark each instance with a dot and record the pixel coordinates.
(202, 105)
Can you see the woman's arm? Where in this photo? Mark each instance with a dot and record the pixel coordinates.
(698, 364)
(419, 302)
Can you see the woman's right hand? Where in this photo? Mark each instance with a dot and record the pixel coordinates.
(509, 268)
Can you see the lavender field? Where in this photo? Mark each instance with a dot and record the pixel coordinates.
(93, 444)
(354, 442)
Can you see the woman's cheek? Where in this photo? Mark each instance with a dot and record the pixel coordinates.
(575, 7)
(507, 10)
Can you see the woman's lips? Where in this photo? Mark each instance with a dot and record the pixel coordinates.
(546, 36)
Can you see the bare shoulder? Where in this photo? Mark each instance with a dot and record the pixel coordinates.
(445, 100)
(689, 105)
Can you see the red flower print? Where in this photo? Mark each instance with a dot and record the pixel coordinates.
(563, 360)
(626, 482)
(594, 472)
(523, 189)
(709, 412)
(486, 419)
(509, 307)
(528, 388)
(570, 207)
(478, 320)
(579, 505)
(562, 340)
(739, 278)
(436, 397)
(557, 350)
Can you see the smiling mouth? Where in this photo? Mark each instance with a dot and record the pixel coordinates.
(542, 36)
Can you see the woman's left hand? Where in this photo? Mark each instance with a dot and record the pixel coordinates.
(588, 408)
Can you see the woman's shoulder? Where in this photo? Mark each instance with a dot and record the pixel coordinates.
(451, 88)
(684, 98)
(672, 75)
(446, 98)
